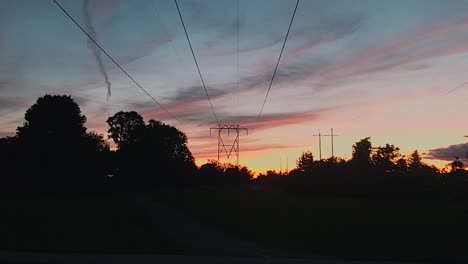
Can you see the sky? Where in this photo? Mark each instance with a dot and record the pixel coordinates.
(390, 70)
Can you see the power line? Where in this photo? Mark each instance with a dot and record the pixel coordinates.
(237, 44)
(196, 63)
(279, 58)
(115, 62)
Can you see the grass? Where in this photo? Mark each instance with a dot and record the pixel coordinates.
(79, 223)
(371, 229)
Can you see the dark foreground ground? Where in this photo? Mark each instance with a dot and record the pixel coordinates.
(306, 226)
(367, 228)
(81, 223)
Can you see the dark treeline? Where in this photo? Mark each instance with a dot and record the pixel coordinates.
(53, 150)
(372, 172)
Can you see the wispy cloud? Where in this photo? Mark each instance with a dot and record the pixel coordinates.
(12, 104)
(449, 153)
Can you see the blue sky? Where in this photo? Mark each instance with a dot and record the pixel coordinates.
(366, 68)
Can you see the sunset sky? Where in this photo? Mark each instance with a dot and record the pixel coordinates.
(389, 70)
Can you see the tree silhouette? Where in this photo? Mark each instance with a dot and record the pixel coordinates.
(50, 137)
(236, 173)
(169, 146)
(225, 173)
(146, 150)
(53, 143)
(402, 165)
(125, 128)
(384, 157)
(457, 165)
(415, 161)
(96, 157)
(53, 117)
(210, 172)
(362, 152)
(305, 162)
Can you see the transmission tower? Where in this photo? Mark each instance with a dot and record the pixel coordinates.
(232, 147)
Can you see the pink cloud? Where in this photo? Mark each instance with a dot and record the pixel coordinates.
(209, 151)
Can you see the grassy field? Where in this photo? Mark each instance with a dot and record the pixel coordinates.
(372, 229)
(78, 223)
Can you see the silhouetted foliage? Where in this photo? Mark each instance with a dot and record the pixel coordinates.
(149, 155)
(362, 152)
(415, 161)
(52, 149)
(402, 165)
(384, 158)
(210, 172)
(269, 173)
(457, 165)
(226, 173)
(125, 128)
(305, 162)
(51, 118)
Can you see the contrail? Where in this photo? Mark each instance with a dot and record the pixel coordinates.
(459, 86)
(94, 49)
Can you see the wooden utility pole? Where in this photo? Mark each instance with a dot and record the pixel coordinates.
(320, 144)
(331, 135)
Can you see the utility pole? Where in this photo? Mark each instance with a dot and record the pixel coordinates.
(235, 145)
(320, 144)
(331, 135)
(287, 160)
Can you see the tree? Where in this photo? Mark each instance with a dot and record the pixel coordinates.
(53, 118)
(384, 157)
(169, 145)
(52, 133)
(402, 165)
(147, 150)
(305, 162)
(95, 141)
(53, 147)
(362, 152)
(210, 172)
(96, 156)
(236, 173)
(457, 165)
(415, 161)
(125, 128)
